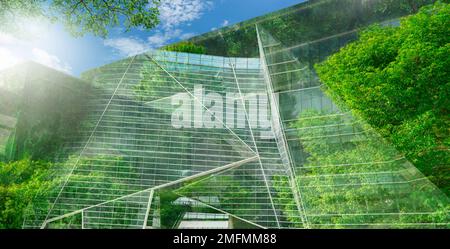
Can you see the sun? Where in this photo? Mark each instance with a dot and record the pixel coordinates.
(8, 58)
(23, 44)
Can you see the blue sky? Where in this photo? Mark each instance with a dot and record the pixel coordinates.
(51, 45)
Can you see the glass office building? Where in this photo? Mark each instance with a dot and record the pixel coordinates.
(243, 137)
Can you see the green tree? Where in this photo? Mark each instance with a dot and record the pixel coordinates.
(170, 212)
(81, 16)
(411, 6)
(232, 193)
(20, 183)
(340, 180)
(186, 47)
(397, 79)
(154, 83)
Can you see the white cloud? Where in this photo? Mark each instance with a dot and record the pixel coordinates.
(172, 14)
(7, 39)
(176, 12)
(127, 46)
(160, 38)
(8, 59)
(223, 24)
(14, 50)
(43, 57)
(187, 36)
(131, 46)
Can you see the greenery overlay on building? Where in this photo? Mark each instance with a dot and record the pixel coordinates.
(357, 96)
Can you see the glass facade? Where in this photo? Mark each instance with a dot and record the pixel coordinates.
(249, 133)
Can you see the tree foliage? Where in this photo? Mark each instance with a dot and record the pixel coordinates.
(397, 78)
(308, 22)
(81, 16)
(153, 85)
(20, 183)
(341, 177)
(229, 189)
(170, 212)
(411, 6)
(25, 184)
(186, 47)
